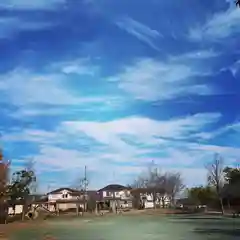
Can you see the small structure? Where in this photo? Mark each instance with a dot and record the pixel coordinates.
(186, 203)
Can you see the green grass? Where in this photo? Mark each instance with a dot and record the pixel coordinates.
(137, 227)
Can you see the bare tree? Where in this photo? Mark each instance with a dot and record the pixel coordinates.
(160, 185)
(30, 167)
(156, 182)
(215, 176)
(4, 169)
(139, 182)
(237, 3)
(173, 185)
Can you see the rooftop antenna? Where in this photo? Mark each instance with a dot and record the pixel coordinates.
(85, 186)
(114, 176)
(85, 179)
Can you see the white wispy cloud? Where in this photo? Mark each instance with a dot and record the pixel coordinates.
(82, 66)
(31, 4)
(126, 147)
(142, 128)
(235, 68)
(229, 154)
(32, 135)
(9, 26)
(140, 31)
(31, 111)
(150, 79)
(209, 135)
(23, 87)
(133, 139)
(218, 27)
(196, 55)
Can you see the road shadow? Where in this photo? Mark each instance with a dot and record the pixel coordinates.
(205, 220)
(201, 218)
(220, 232)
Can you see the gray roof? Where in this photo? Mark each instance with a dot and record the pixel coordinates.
(74, 191)
(113, 187)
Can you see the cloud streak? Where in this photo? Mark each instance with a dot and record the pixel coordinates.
(31, 5)
(10, 26)
(139, 127)
(124, 146)
(219, 27)
(149, 79)
(23, 87)
(140, 31)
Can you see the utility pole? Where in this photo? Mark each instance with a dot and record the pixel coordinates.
(85, 187)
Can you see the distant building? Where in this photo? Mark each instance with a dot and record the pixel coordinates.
(116, 195)
(63, 194)
(67, 198)
(146, 197)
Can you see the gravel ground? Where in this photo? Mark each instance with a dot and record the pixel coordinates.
(145, 226)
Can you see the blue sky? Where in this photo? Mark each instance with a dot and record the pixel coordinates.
(115, 85)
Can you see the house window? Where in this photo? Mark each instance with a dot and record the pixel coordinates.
(65, 195)
(108, 194)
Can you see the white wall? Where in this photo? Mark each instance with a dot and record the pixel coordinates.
(149, 205)
(149, 200)
(121, 194)
(60, 196)
(18, 209)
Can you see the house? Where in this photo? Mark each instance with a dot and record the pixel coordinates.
(146, 197)
(116, 195)
(65, 197)
(64, 194)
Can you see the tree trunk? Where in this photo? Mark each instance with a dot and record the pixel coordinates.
(77, 209)
(24, 211)
(229, 205)
(221, 204)
(3, 212)
(163, 202)
(154, 200)
(96, 208)
(172, 200)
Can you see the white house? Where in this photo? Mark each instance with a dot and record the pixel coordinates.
(67, 195)
(146, 197)
(63, 194)
(116, 193)
(161, 200)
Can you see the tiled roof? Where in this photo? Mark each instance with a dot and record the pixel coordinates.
(113, 187)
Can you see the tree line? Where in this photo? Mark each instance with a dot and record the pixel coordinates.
(162, 185)
(222, 189)
(16, 187)
(19, 185)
